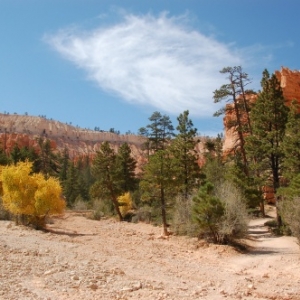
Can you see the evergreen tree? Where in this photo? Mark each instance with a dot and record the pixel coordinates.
(126, 166)
(159, 132)
(268, 118)
(208, 210)
(21, 154)
(291, 143)
(15, 154)
(71, 185)
(85, 178)
(106, 176)
(47, 162)
(158, 184)
(4, 159)
(239, 108)
(183, 150)
(64, 161)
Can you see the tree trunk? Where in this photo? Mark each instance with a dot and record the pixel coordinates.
(262, 207)
(163, 212)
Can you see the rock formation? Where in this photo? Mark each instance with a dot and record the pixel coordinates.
(290, 83)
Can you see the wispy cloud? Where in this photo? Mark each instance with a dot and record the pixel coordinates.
(151, 60)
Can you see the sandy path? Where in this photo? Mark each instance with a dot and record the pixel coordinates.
(85, 259)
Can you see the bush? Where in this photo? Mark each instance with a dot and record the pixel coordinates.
(234, 222)
(290, 214)
(101, 208)
(143, 214)
(125, 203)
(182, 221)
(80, 204)
(220, 212)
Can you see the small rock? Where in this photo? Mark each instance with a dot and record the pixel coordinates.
(93, 286)
(136, 286)
(126, 289)
(49, 272)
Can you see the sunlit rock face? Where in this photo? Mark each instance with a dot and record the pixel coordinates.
(290, 83)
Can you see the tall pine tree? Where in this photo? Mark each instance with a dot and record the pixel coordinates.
(106, 176)
(268, 118)
(183, 150)
(291, 143)
(234, 93)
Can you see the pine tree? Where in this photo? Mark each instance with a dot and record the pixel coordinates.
(85, 179)
(64, 161)
(159, 132)
(268, 118)
(291, 143)
(158, 184)
(4, 160)
(208, 210)
(234, 92)
(71, 185)
(183, 150)
(106, 176)
(15, 154)
(47, 162)
(126, 166)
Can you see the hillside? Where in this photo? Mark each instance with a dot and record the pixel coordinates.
(24, 130)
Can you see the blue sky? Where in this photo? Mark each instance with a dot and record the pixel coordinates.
(111, 64)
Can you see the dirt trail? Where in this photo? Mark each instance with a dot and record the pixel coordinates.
(85, 259)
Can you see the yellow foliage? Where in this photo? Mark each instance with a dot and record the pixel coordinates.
(125, 203)
(30, 194)
(48, 198)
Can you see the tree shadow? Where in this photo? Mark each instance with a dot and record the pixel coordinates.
(68, 233)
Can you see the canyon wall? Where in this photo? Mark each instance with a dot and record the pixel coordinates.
(25, 130)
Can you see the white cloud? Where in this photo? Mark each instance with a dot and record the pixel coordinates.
(150, 60)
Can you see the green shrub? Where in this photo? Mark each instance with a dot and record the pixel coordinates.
(220, 212)
(290, 214)
(101, 208)
(208, 211)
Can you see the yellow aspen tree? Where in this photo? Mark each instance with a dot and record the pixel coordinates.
(48, 199)
(30, 194)
(18, 188)
(125, 203)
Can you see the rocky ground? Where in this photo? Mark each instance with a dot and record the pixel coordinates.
(85, 259)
